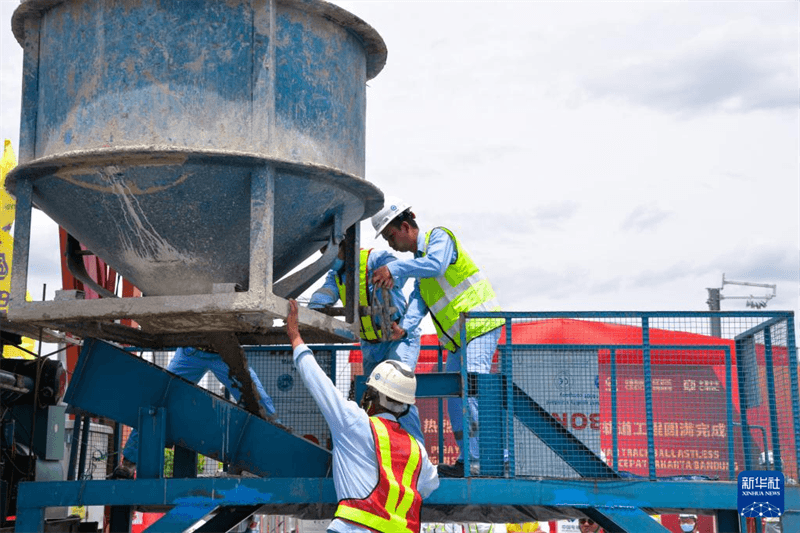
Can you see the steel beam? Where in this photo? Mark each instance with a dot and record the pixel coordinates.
(227, 518)
(120, 519)
(108, 382)
(240, 312)
(152, 434)
(491, 430)
(559, 439)
(790, 520)
(620, 505)
(184, 515)
(229, 349)
(184, 463)
(459, 495)
(295, 284)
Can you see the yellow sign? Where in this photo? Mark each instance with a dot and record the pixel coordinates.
(7, 205)
(7, 202)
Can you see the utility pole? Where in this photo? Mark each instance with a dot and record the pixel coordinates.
(713, 301)
(757, 302)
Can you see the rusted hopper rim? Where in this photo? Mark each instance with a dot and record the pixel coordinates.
(373, 43)
(165, 155)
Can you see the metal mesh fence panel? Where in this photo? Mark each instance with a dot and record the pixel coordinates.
(565, 388)
(275, 370)
(594, 395)
(293, 404)
(97, 446)
(769, 421)
(650, 395)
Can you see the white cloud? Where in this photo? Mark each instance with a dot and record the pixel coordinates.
(644, 217)
(10, 77)
(737, 65)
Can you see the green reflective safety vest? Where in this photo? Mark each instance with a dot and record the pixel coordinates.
(462, 288)
(369, 330)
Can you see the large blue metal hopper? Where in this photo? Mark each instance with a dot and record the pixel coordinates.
(192, 145)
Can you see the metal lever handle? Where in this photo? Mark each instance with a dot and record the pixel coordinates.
(382, 310)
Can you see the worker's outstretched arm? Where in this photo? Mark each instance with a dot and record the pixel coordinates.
(293, 326)
(440, 254)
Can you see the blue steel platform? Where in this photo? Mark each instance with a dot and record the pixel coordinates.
(619, 502)
(726, 388)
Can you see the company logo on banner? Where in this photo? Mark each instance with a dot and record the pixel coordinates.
(761, 493)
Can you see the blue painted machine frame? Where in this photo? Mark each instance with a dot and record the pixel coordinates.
(618, 504)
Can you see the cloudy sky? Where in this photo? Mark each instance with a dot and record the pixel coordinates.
(591, 156)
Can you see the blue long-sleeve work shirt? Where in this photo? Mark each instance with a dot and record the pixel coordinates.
(355, 463)
(441, 254)
(409, 319)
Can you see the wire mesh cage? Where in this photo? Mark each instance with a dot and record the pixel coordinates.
(293, 404)
(275, 370)
(592, 395)
(95, 465)
(651, 395)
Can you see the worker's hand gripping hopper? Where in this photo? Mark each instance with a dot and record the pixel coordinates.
(202, 149)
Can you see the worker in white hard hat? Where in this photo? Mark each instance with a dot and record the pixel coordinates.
(381, 473)
(403, 345)
(448, 283)
(688, 523)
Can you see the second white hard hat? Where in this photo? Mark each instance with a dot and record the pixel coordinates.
(392, 208)
(396, 380)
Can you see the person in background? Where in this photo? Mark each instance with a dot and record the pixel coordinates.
(688, 523)
(404, 343)
(587, 525)
(448, 283)
(381, 473)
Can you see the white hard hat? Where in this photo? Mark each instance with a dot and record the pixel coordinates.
(684, 515)
(396, 380)
(392, 207)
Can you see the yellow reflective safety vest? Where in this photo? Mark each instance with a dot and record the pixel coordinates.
(393, 505)
(369, 332)
(462, 288)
